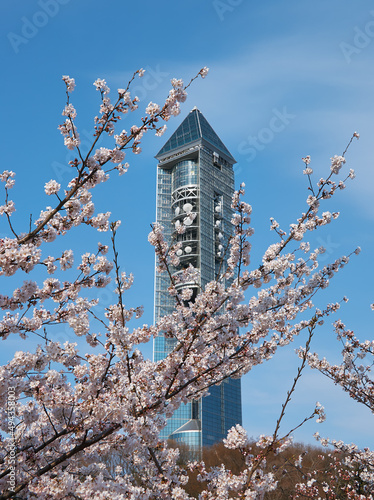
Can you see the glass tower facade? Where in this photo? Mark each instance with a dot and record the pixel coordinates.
(195, 174)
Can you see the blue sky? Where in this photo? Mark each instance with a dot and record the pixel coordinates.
(309, 62)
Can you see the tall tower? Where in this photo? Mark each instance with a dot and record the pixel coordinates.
(195, 174)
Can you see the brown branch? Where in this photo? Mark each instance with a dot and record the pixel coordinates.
(62, 458)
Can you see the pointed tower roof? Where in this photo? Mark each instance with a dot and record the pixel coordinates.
(194, 127)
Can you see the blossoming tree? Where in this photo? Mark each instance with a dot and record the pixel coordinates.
(63, 411)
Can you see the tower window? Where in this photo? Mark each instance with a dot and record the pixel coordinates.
(217, 160)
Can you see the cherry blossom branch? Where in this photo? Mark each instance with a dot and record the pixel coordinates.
(62, 458)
